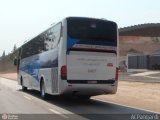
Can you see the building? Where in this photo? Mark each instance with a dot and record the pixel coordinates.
(145, 40)
(154, 60)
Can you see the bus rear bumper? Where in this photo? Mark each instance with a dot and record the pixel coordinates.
(90, 89)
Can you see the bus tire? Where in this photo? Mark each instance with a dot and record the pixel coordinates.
(85, 97)
(22, 84)
(42, 90)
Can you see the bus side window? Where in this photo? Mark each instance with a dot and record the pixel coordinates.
(53, 35)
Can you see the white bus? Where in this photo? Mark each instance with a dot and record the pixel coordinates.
(77, 56)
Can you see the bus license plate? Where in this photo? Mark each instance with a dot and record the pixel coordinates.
(92, 82)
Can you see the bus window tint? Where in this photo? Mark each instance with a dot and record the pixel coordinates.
(101, 31)
(43, 42)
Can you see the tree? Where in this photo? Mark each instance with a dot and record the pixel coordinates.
(14, 48)
(3, 55)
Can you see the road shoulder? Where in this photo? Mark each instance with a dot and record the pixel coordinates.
(11, 76)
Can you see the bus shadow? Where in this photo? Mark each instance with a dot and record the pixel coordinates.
(89, 108)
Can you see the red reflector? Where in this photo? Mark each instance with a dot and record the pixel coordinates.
(63, 72)
(63, 76)
(116, 77)
(110, 64)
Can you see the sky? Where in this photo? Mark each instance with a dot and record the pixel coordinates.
(21, 20)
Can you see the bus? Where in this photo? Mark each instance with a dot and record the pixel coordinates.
(77, 56)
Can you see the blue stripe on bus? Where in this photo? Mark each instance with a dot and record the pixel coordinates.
(71, 42)
(31, 68)
(33, 64)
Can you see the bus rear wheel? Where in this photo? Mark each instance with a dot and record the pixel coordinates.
(42, 90)
(85, 97)
(22, 84)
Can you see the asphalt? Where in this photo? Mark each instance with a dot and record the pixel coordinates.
(28, 105)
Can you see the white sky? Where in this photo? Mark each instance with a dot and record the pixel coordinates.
(21, 20)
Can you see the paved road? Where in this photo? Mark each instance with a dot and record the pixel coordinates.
(29, 105)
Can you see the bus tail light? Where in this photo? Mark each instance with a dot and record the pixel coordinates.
(116, 76)
(63, 72)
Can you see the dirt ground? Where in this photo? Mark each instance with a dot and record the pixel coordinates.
(12, 76)
(135, 94)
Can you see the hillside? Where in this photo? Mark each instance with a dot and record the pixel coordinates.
(145, 45)
(7, 64)
(143, 38)
(145, 30)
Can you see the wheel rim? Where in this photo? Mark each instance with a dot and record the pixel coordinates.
(43, 90)
(22, 85)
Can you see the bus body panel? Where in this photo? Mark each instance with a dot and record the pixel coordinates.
(91, 66)
(50, 76)
(62, 56)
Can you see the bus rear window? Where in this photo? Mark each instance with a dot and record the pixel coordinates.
(92, 31)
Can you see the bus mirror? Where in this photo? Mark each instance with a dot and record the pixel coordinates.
(15, 62)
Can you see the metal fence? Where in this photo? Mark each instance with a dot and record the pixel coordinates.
(138, 62)
(154, 62)
(151, 62)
